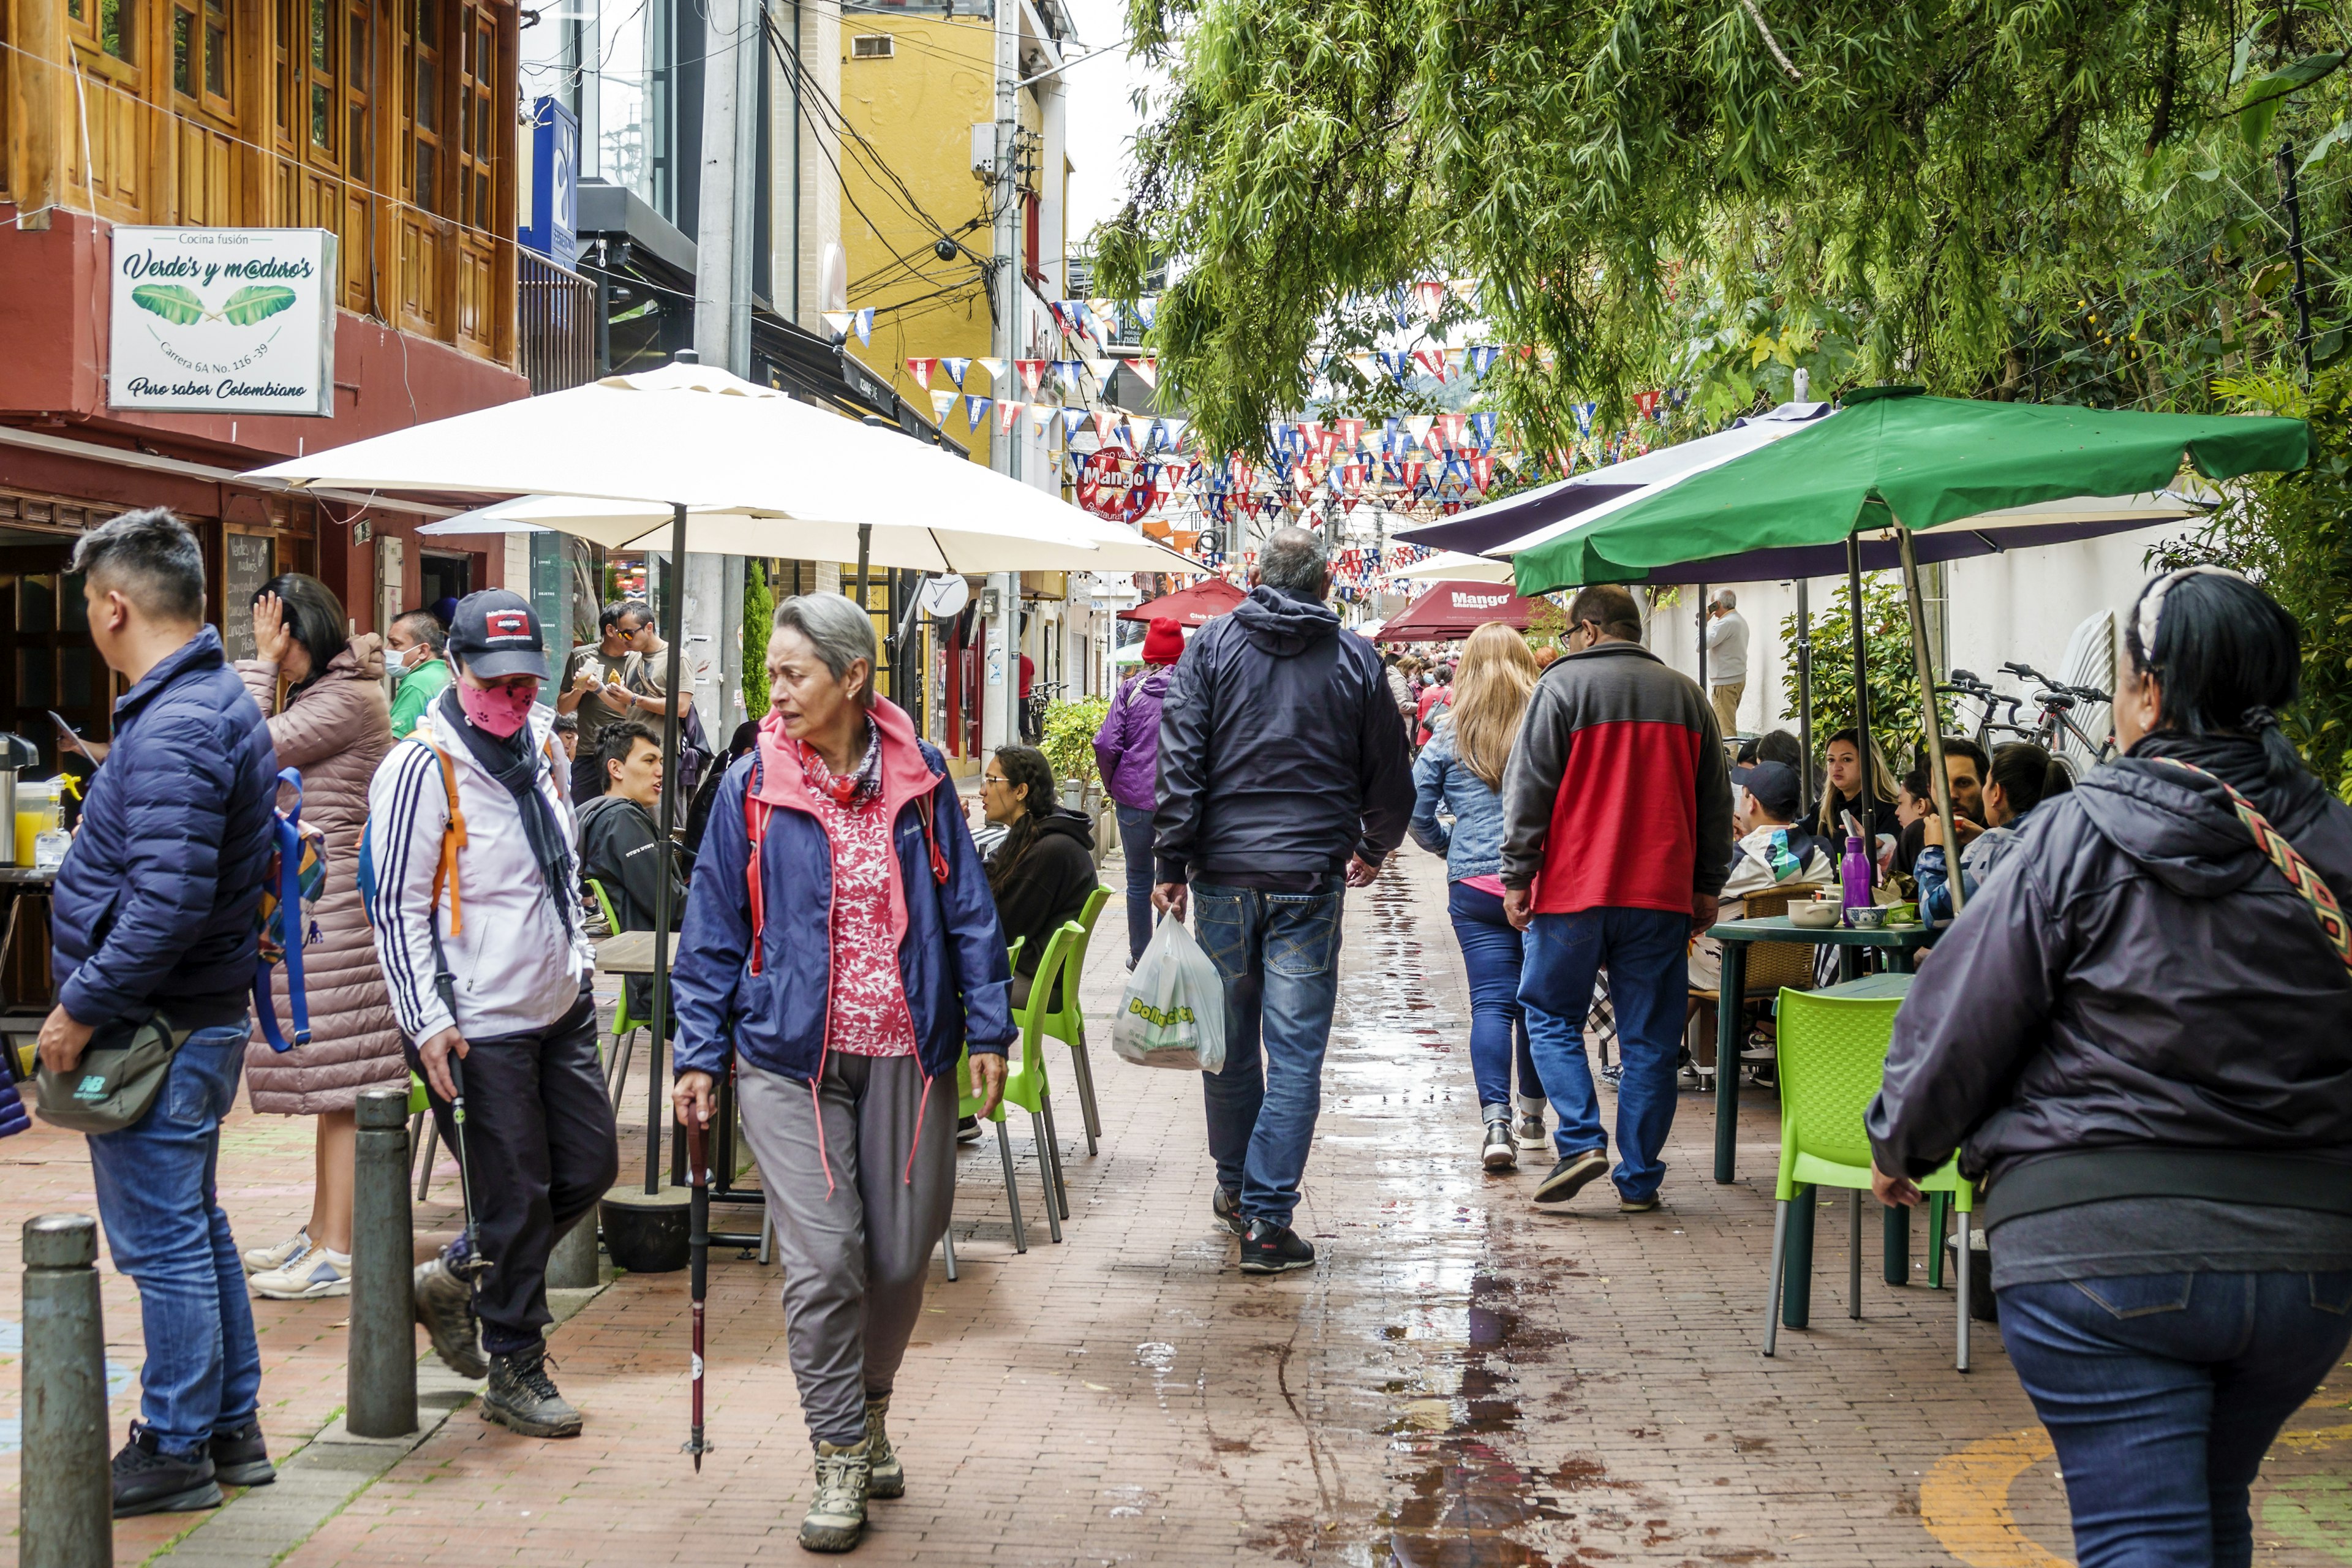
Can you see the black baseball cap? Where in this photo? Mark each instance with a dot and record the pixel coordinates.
(1774, 786)
(495, 633)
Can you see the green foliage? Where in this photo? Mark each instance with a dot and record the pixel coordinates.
(175, 302)
(1894, 709)
(1070, 729)
(2053, 199)
(759, 611)
(2293, 534)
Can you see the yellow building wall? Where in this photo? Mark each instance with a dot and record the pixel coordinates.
(916, 107)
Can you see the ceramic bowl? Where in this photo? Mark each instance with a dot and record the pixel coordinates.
(1866, 917)
(1813, 917)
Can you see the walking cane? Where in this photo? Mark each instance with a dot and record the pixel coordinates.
(698, 1241)
(476, 1265)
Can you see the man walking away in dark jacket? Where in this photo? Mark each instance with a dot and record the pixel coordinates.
(1616, 840)
(1283, 772)
(154, 913)
(620, 840)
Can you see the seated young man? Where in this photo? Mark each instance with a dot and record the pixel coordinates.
(1966, 767)
(620, 839)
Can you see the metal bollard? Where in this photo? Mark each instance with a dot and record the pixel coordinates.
(571, 1265)
(379, 1387)
(65, 1505)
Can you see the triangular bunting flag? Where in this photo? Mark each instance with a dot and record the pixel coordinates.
(920, 369)
(1481, 359)
(863, 324)
(974, 407)
(1032, 372)
(1146, 311)
(1147, 368)
(957, 370)
(1008, 414)
(840, 322)
(1431, 296)
(941, 401)
(995, 369)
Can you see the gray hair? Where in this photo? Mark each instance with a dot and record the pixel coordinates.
(152, 557)
(1727, 599)
(842, 633)
(1296, 561)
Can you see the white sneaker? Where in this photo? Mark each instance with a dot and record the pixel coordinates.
(262, 1260)
(312, 1274)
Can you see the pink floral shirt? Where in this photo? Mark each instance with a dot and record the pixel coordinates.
(869, 995)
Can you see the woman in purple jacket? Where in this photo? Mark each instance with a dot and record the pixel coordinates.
(1127, 754)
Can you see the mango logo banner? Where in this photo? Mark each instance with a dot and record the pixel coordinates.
(223, 320)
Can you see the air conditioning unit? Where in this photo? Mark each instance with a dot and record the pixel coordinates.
(873, 47)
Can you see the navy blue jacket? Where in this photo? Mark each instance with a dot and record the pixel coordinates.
(1280, 747)
(158, 898)
(951, 959)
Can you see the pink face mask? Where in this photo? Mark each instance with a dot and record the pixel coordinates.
(500, 710)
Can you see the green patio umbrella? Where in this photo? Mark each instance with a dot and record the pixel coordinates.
(1896, 460)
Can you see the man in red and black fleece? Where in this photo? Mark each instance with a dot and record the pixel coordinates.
(1616, 839)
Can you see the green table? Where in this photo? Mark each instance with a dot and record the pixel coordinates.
(1734, 936)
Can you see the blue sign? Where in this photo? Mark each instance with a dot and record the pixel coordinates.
(553, 229)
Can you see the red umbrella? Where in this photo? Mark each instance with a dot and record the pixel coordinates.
(1204, 601)
(1451, 611)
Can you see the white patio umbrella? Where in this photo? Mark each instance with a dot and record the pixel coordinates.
(1454, 566)
(688, 439)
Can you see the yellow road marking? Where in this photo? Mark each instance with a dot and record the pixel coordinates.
(1964, 1502)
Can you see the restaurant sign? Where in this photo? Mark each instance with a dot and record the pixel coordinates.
(223, 320)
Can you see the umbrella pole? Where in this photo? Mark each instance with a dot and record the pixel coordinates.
(1925, 669)
(1861, 677)
(675, 635)
(1704, 688)
(1805, 685)
(864, 547)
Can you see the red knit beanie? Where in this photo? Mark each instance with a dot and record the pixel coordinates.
(1164, 643)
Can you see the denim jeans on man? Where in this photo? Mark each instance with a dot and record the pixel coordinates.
(165, 1228)
(1279, 956)
(1135, 843)
(1492, 950)
(2162, 1393)
(1646, 954)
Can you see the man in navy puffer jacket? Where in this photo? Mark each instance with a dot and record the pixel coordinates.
(156, 908)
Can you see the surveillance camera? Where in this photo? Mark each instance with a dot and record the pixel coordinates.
(945, 249)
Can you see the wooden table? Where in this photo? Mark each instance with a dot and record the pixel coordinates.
(630, 953)
(1734, 936)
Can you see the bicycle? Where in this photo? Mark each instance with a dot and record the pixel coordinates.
(1968, 684)
(2056, 725)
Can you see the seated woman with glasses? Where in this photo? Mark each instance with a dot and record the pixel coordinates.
(1045, 868)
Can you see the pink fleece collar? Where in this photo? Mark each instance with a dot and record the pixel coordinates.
(905, 776)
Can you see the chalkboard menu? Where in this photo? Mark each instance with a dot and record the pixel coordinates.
(251, 558)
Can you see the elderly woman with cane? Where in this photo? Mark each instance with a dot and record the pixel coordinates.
(840, 930)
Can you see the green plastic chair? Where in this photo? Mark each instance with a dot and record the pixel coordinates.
(1025, 1086)
(625, 1026)
(1067, 1023)
(1832, 1057)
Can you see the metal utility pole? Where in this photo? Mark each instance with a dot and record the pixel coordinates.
(723, 237)
(1004, 632)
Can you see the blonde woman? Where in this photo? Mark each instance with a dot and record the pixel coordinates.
(1873, 805)
(1460, 772)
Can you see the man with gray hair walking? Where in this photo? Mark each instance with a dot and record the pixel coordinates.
(1284, 777)
(1726, 660)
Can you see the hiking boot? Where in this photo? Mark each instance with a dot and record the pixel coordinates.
(149, 1480)
(838, 1513)
(240, 1459)
(262, 1260)
(1568, 1177)
(1495, 1150)
(309, 1275)
(885, 1476)
(1271, 1248)
(445, 1307)
(521, 1398)
(1227, 1207)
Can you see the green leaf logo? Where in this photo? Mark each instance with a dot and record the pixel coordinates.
(250, 306)
(175, 302)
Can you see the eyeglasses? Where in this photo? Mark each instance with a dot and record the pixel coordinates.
(992, 778)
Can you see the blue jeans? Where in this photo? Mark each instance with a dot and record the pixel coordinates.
(1135, 843)
(1649, 982)
(1499, 1029)
(164, 1225)
(1279, 956)
(2162, 1393)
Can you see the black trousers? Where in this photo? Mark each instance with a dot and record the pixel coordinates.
(541, 1150)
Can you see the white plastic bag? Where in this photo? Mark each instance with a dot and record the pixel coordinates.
(1172, 1014)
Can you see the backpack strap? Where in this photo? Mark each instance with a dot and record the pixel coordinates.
(756, 812)
(2297, 872)
(453, 837)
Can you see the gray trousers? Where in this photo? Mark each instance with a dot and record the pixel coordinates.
(854, 1256)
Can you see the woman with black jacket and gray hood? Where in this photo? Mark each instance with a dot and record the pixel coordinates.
(2139, 1036)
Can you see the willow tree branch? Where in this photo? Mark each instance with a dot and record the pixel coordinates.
(1771, 42)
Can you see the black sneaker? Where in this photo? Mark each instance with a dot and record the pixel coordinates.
(968, 1129)
(240, 1459)
(444, 1306)
(522, 1398)
(1271, 1248)
(1227, 1207)
(1495, 1151)
(149, 1480)
(1568, 1177)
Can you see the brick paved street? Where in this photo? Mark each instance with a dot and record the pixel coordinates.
(1461, 1379)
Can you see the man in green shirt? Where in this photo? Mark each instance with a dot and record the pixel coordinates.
(413, 652)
